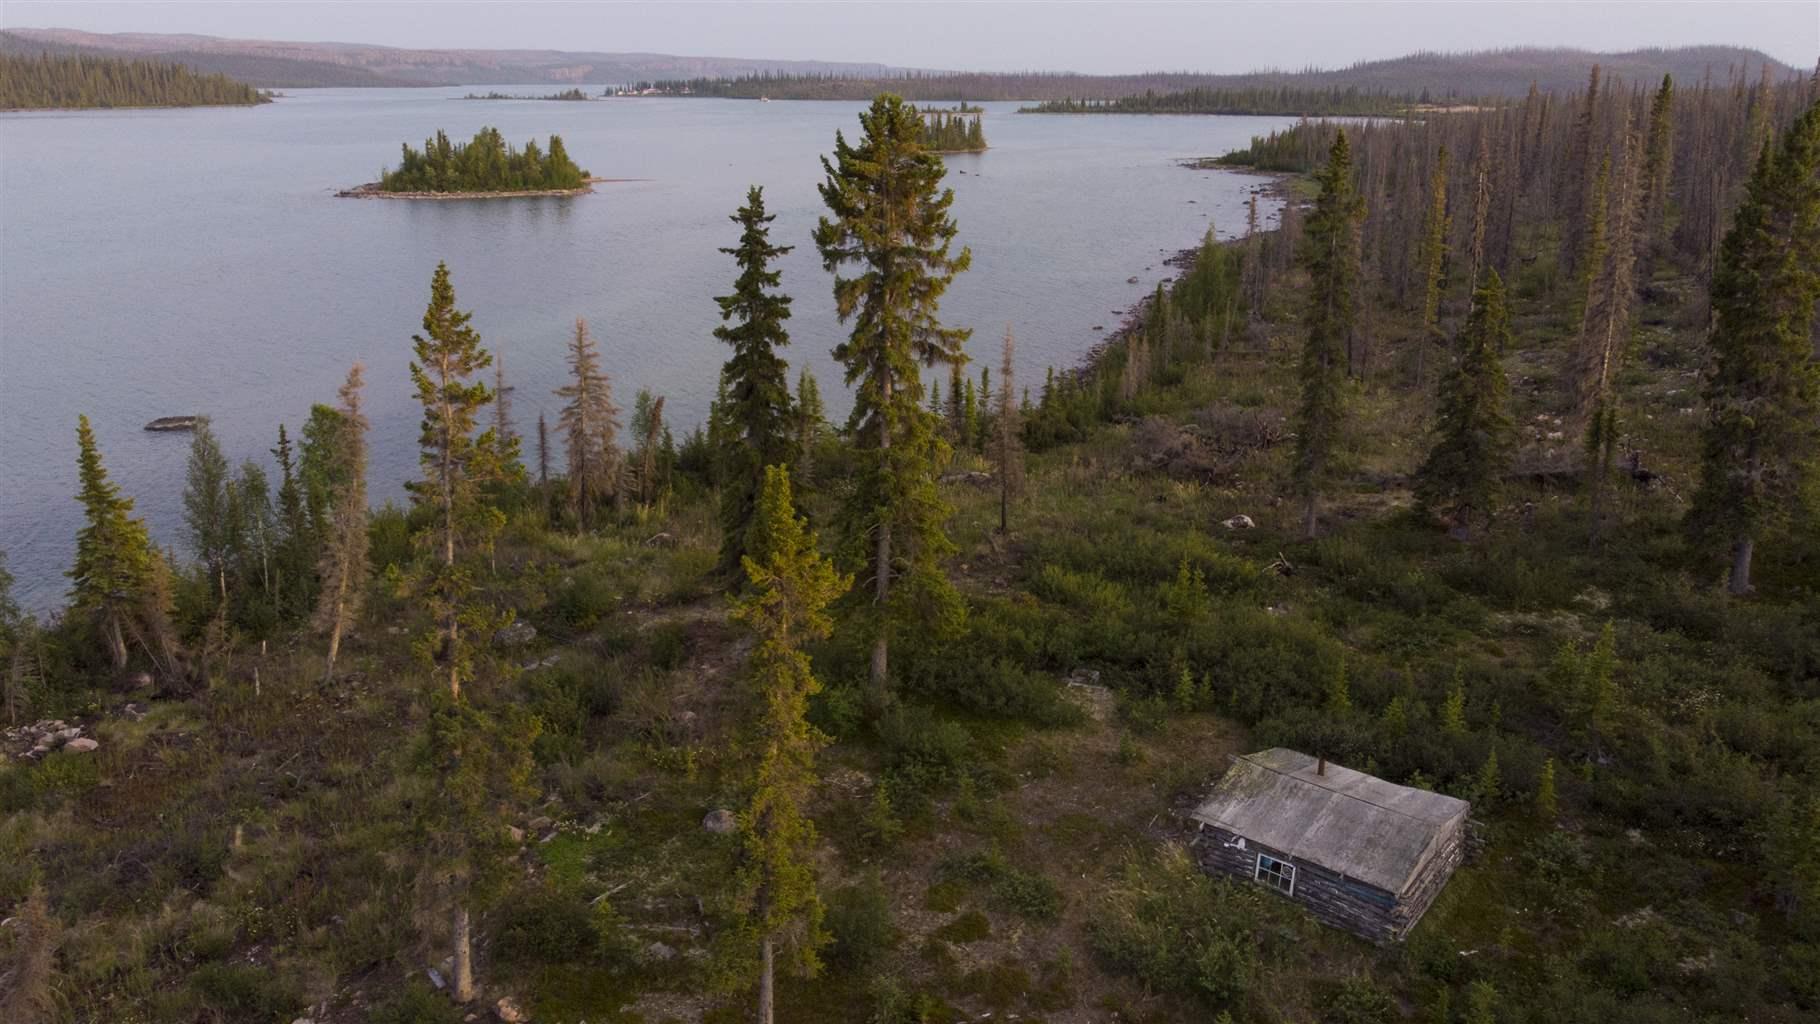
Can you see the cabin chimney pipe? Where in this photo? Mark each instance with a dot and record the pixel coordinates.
(1320, 767)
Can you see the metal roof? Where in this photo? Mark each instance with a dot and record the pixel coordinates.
(1345, 821)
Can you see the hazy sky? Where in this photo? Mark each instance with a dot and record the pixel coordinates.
(983, 34)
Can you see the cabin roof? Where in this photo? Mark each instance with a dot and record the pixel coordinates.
(1345, 821)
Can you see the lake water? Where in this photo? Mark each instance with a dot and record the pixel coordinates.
(168, 262)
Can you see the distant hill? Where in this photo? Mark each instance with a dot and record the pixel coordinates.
(1436, 76)
(273, 64)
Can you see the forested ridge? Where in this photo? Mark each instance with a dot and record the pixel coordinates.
(1347, 102)
(46, 81)
(485, 163)
(1485, 466)
(1429, 78)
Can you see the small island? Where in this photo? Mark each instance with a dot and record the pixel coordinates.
(48, 82)
(484, 167)
(566, 95)
(956, 130)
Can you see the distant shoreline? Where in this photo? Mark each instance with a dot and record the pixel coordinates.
(371, 190)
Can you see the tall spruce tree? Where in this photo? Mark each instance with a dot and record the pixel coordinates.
(1473, 435)
(758, 383)
(1435, 228)
(206, 507)
(294, 580)
(472, 754)
(889, 218)
(811, 424)
(1657, 169)
(590, 425)
(790, 588)
(1007, 435)
(1605, 333)
(116, 575)
(1331, 255)
(343, 567)
(1762, 384)
(448, 360)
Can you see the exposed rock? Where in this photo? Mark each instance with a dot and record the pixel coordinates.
(1097, 701)
(1238, 522)
(81, 745)
(508, 1010)
(972, 477)
(661, 540)
(660, 952)
(540, 823)
(515, 634)
(1084, 677)
(436, 978)
(140, 681)
(720, 821)
(517, 834)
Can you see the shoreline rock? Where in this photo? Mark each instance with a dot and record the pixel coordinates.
(371, 190)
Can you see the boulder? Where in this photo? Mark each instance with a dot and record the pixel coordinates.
(81, 745)
(1238, 522)
(515, 634)
(660, 952)
(508, 1011)
(720, 821)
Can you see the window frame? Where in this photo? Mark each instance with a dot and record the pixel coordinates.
(1276, 874)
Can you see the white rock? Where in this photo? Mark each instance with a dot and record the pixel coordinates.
(81, 745)
(1239, 522)
(508, 1010)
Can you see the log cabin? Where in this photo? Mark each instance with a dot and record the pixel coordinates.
(1360, 853)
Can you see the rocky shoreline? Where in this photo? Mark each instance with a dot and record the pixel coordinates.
(371, 190)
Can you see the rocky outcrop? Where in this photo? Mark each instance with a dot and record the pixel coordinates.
(30, 742)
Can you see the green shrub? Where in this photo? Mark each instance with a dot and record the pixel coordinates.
(1022, 892)
(543, 926)
(416, 1004)
(1359, 1001)
(246, 992)
(860, 925)
(971, 926)
(1177, 930)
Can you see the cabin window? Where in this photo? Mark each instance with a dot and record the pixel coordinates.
(1279, 875)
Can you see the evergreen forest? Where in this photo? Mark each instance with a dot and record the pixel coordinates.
(485, 163)
(1481, 458)
(46, 81)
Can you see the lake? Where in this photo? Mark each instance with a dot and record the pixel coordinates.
(168, 262)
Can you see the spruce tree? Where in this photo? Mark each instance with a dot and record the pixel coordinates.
(456, 466)
(1435, 228)
(343, 567)
(543, 465)
(590, 424)
(115, 575)
(811, 426)
(473, 755)
(295, 553)
(791, 586)
(758, 383)
(1762, 385)
(1658, 167)
(889, 218)
(1007, 435)
(1331, 254)
(206, 511)
(1474, 436)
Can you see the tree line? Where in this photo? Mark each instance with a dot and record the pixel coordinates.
(46, 81)
(1304, 102)
(486, 163)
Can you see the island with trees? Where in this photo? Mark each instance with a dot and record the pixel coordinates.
(567, 95)
(484, 167)
(55, 82)
(953, 131)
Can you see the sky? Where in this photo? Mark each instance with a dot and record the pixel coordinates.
(992, 35)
